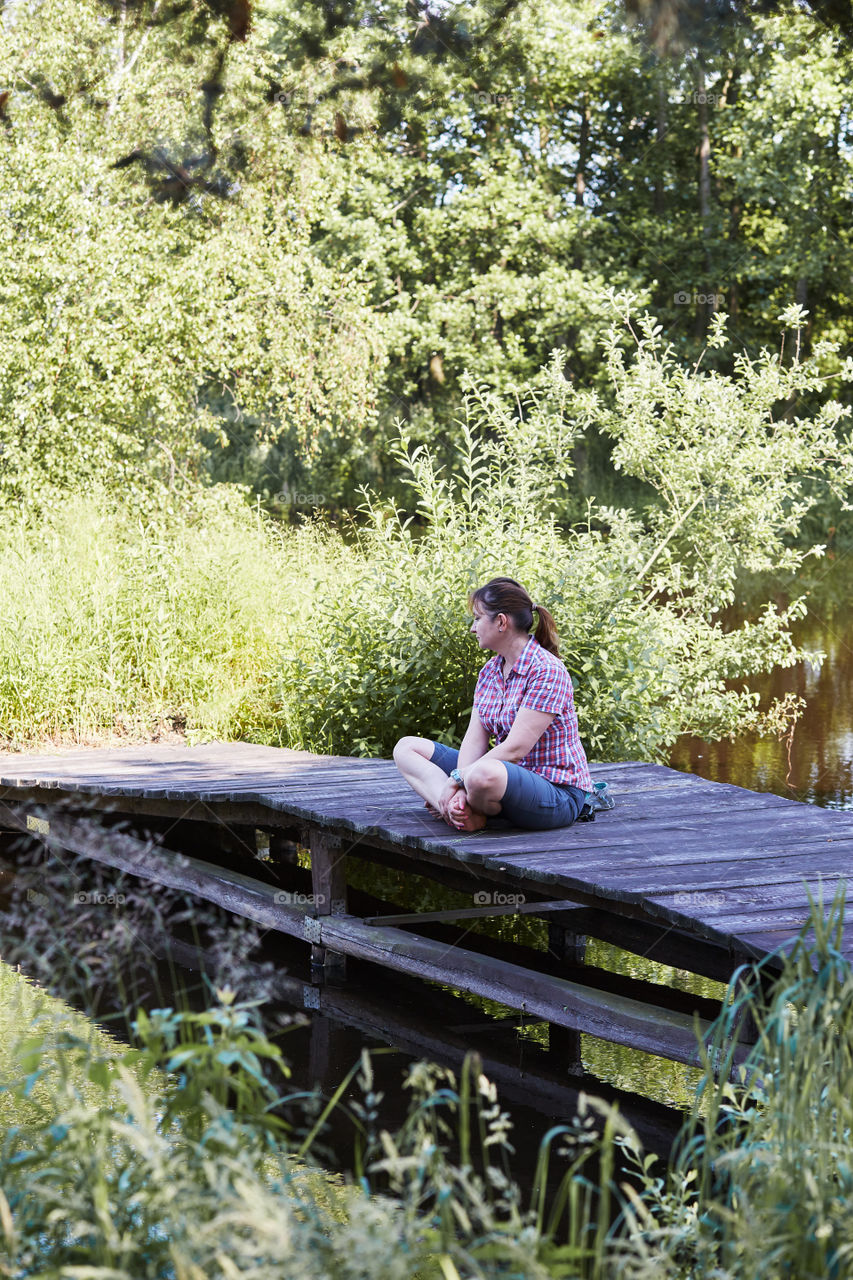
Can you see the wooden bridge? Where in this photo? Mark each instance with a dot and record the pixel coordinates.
(695, 874)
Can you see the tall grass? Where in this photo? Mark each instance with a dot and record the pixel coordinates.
(772, 1151)
(169, 1160)
(114, 623)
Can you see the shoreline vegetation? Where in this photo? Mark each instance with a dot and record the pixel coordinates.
(187, 607)
(171, 1158)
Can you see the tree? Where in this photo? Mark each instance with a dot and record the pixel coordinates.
(146, 314)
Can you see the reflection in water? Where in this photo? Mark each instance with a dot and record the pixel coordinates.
(817, 765)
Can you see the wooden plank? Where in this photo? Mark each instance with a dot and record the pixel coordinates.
(680, 849)
(734, 872)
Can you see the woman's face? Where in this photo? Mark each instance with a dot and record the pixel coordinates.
(487, 629)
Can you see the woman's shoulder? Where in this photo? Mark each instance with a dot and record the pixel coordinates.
(547, 665)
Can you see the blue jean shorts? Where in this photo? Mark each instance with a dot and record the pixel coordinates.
(530, 801)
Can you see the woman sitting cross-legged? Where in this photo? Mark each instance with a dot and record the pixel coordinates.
(536, 775)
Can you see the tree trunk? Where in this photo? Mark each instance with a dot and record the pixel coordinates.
(704, 309)
(583, 151)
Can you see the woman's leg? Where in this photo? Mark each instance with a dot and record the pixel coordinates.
(485, 784)
(426, 766)
(414, 758)
(535, 804)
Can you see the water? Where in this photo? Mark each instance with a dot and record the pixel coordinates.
(816, 764)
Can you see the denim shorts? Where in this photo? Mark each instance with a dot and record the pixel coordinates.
(530, 801)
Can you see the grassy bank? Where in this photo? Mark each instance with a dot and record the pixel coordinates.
(118, 624)
(168, 1160)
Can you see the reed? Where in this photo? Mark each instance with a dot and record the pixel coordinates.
(140, 625)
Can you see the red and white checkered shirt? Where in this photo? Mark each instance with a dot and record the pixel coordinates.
(540, 681)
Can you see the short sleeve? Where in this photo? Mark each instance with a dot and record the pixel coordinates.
(549, 690)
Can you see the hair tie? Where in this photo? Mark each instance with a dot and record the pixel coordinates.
(537, 607)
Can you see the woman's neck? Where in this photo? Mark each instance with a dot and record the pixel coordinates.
(511, 649)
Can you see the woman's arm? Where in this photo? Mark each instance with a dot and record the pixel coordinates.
(475, 743)
(527, 728)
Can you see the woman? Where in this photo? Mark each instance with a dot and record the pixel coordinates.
(536, 775)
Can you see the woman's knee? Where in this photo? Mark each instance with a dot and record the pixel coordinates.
(409, 746)
(488, 776)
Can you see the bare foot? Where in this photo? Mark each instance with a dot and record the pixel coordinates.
(432, 809)
(463, 817)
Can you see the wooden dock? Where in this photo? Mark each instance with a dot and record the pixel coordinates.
(695, 874)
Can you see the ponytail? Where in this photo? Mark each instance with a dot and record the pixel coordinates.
(505, 595)
(546, 631)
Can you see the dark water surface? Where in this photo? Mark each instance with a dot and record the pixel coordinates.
(816, 765)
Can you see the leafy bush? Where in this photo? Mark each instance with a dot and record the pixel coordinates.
(637, 594)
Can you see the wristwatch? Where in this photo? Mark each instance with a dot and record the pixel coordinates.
(457, 777)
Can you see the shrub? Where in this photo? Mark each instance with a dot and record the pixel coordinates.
(638, 594)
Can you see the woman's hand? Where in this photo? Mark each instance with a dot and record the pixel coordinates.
(448, 791)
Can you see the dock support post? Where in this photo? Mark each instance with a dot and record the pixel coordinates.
(564, 1043)
(746, 1024)
(328, 1050)
(565, 945)
(329, 886)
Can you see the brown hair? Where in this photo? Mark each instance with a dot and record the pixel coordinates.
(505, 595)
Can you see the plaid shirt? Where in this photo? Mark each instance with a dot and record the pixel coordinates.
(540, 681)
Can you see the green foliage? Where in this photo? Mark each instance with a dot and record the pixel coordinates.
(119, 622)
(762, 1183)
(204, 615)
(164, 1160)
(637, 594)
(243, 258)
(143, 320)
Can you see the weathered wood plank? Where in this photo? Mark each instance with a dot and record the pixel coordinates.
(671, 834)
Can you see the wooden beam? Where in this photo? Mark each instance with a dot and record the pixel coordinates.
(329, 888)
(474, 913)
(604, 1014)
